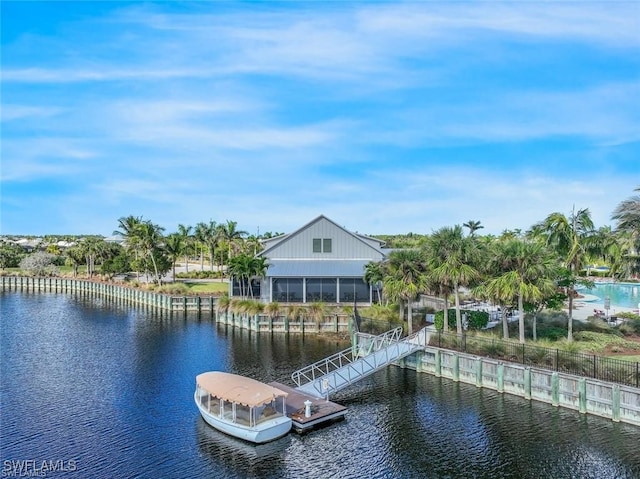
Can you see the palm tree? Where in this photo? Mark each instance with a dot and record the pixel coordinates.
(150, 238)
(229, 233)
(405, 278)
(473, 226)
(527, 274)
(174, 246)
(373, 276)
(129, 232)
(452, 262)
(246, 268)
(201, 233)
(491, 291)
(187, 239)
(259, 267)
(75, 257)
(240, 268)
(92, 247)
(569, 237)
(627, 215)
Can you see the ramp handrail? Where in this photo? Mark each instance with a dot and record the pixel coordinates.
(343, 369)
(336, 361)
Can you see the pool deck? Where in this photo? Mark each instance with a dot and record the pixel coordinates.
(582, 309)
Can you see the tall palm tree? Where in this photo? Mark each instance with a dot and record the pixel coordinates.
(473, 226)
(93, 248)
(201, 233)
(129, 232)
(174, 247)
(373, 275)
(187, 240)
(528, 271)
(405, 278)
(230, 234)
(490, 292)
(569, 237)
(453, 260)
(150, 239)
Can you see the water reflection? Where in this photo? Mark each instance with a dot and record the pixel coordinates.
(112, 387)
(227, 449)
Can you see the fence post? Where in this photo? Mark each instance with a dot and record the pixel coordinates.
(478, 372)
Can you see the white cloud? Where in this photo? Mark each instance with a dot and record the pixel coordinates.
(20, 112)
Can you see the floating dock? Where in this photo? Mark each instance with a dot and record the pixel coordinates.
(323, 412)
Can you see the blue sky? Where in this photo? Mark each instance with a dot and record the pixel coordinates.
(387, 117)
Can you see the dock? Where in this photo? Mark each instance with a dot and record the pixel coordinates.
(323, 412)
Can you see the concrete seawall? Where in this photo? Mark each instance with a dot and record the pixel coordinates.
(588, 396)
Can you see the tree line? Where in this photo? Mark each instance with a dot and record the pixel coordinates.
(527, 271)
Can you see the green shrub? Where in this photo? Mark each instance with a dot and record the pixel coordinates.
(475, 319)
(200, 275)
(174, 288)
(630, 327)
(439, 319)
(552, 333)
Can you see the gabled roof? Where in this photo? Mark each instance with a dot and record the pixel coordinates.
(287, 237)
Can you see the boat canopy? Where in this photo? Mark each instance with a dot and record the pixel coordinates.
(238, 389)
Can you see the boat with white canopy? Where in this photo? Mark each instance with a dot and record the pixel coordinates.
(242, 407)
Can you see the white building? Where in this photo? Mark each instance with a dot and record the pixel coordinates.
(321, 261)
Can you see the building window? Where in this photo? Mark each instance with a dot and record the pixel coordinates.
(322, 245)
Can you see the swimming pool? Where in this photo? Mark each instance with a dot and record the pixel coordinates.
(626, 295)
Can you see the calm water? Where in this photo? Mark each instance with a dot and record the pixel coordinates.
(624, 295)
(111, 388)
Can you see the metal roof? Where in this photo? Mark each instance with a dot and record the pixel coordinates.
(317, 268)
(270, 246)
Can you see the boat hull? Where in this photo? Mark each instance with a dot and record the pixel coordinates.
(259, 434)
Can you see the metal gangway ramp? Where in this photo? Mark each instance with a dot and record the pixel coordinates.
(343, 369)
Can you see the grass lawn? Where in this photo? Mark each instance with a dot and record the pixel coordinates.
(634, 359)
(208, 288)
